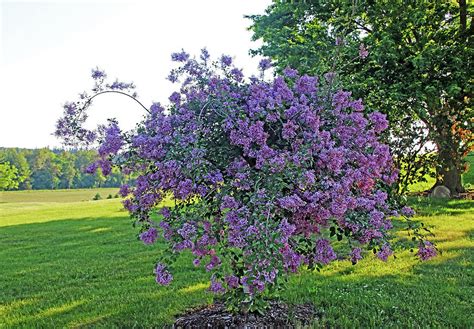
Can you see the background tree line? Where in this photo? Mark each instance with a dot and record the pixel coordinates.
(38, 169)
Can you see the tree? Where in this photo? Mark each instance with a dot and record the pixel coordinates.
(265, 175)
(17, 158)
(8, 176)
(46, 169)
(67, 169)
(412, 60)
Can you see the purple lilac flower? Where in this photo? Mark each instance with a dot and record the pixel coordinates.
(330, 76)
(289, 130)
(175, 98)
(237, 74)
(119, 85)
(291, 202)
(184, 189)
(379, 121)
(286, 230)
(265, 64)
(92, 168)
(259, 285)
(180, 57)
(216, 287)
(384, 252)
(356, 255)
(270, 276)
(149, 237)
(226, 61)
(291, 259)
(204, 54)
(163, 276)
(167, 230)
(98, 74)
(113, 141)
(187, 231)
(228, 202)
(213, 263)
(426, 250)
(232, 281)
(124, 190)
(106, 166)
(407, 211)
(363, 52)
(165, 212)
(306, 84)
(290, 73)
(324, 252)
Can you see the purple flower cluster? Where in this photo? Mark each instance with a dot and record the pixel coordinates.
(260, 172)
(363, 52)
(355, 255)
(384, 252)
(149, 237)
(163, 276)
(98, 74)
(324, 252)
(426, 250)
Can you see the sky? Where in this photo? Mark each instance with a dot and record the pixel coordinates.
(47, 51)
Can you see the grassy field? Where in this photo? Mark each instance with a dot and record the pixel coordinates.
(55, 195)
(78, 263)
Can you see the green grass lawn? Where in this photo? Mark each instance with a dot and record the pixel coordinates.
(73, 195)
(79, 264)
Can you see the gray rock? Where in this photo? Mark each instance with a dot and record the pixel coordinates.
(441, 192)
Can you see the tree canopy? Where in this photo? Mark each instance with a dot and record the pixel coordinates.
(411, 60)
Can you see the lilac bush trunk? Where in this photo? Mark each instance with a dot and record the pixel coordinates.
(265, 175)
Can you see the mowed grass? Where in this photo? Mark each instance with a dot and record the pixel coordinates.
(55, 195)
(80, 264)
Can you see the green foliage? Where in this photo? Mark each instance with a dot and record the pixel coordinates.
(41, 169)
(8, 176)
(418, 71)
(18, 159)
(88, 271)
(97, 197)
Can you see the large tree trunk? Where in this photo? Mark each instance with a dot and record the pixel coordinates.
(449, 168)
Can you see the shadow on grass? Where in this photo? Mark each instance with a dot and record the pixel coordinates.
(425, 206)
(437, 293)
(92, 272)
(89, 272)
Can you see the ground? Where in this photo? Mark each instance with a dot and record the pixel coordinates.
(78, 263)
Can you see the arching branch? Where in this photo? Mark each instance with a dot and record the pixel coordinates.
(116, 92)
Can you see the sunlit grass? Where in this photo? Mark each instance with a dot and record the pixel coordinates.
(80, 264)
(73, 195)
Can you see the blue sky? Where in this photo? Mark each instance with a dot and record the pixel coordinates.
(47, 50)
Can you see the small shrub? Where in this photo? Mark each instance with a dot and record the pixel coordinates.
(97, 197)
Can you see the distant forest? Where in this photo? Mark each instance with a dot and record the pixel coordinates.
(38, 169)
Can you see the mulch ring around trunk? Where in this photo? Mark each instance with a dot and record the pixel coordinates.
(278, 315)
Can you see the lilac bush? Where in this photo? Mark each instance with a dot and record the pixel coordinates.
(267, 176)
